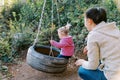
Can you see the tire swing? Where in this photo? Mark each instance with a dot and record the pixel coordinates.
(39, 57)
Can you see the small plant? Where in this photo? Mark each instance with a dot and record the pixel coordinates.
(5, 48)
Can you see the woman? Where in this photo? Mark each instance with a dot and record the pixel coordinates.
(103, 48)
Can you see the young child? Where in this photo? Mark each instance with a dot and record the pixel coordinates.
(103, 48)
(66, 42)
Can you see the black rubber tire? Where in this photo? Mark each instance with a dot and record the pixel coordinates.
(38, 58)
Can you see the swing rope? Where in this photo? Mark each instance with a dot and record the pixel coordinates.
(40, 22)
(58, 13)
(52, 17)
(52, 26)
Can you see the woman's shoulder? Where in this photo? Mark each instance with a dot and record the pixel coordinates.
(95, 36)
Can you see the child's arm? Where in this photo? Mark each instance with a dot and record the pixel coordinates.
(57, 44)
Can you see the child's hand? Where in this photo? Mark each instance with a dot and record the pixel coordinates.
(85, 50)
(51, 41)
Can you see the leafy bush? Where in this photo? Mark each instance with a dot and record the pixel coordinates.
(20, 23)
(7, 12)
(112, 11)
(5, 49)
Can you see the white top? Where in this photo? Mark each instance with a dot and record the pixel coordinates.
(104, 45)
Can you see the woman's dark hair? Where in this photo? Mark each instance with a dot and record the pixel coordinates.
(97, 15)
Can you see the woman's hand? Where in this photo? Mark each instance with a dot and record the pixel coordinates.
(79, 62)
(85, 50)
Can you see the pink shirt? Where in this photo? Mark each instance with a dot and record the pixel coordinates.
(66, 44)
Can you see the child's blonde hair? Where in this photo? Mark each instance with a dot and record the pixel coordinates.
(65, 29)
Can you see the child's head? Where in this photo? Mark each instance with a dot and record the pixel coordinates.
(63, 31)
(94, 16)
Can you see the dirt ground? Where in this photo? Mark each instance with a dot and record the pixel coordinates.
(22, 71)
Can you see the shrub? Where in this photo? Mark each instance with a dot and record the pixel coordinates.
(5, 48)
(22, 22)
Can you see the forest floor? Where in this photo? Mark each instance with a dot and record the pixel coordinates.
(22, 71)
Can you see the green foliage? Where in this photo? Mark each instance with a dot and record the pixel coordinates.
(7, 12)
(5, 52)
(19, 23)
(112, 11)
